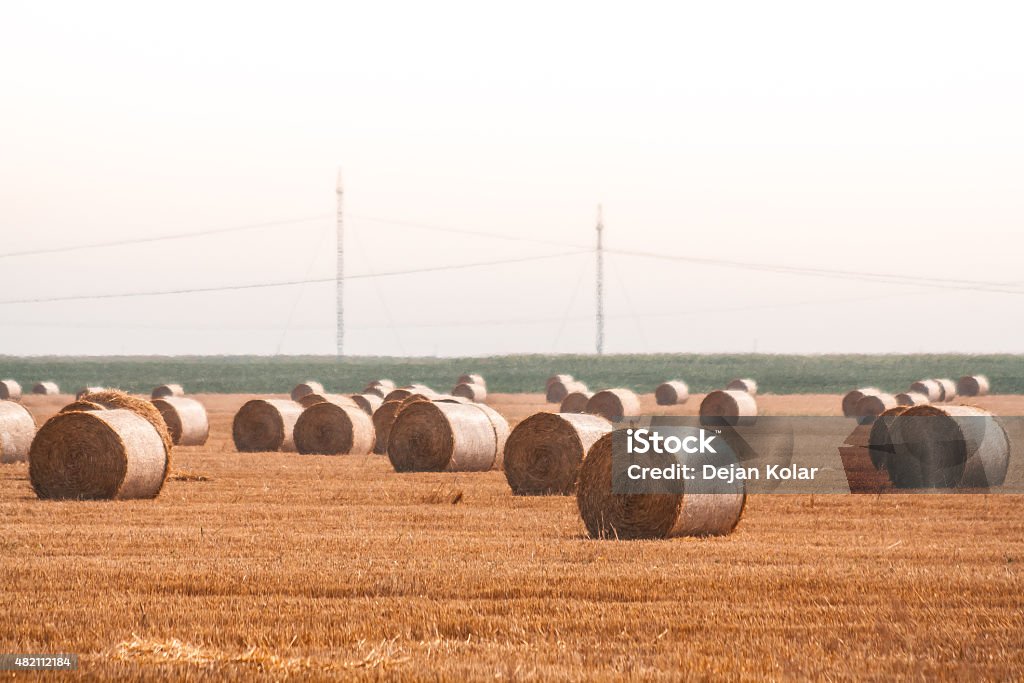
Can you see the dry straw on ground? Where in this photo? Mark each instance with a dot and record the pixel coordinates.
(576, 402)
(728, 408)
(671, 393)
(186, 419)
(17, 427)
(928, 387)
(618, 516)
(851, 398)
(744, 384)
(948, 446)
(544, 452)
(614, 404)
(165, 390)
(911, 398)
(948, 389)
(872, 405)
(454, 437)
(306, 388)
(112, 399)
(368, 403)
(471, 378)
(96, 455)
(973, 385)
(265, 425)
(477, 393)
(9, 390)
(559, 389)
(312, 399)
(331, 428)
(46, 388)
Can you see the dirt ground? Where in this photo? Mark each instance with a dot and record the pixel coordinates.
(267, 566)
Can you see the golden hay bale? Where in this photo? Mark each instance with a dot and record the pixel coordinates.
(330, 428)
(477, 393)
(544, 452)
(306, 388)
(99, 454)
(87, 390)
(851, 398)
(673, 392)
(186, 420)
(80, 405)
(383, 419)
(502, 430)
(448, 398)
(928, 387)
(563, 378)
(728, 408)
(968, 385)
(947, 446)
(745, 384)
(46, 388)
(452, 437)
(871, 406)
(312, 399)
(9, 390)
(112, 399)
(17, 427)
(880, 446)
(611, 515)
(576, 402)
(948, 387)
(368, 403)
(406, 391)
(559, 390)
(614, 404)
(911, 398)
(165, 390)
(266, 424)
(471, 378)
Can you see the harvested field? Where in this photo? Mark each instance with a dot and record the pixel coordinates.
(263, 566)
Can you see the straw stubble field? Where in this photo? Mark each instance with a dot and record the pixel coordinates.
(254, 566)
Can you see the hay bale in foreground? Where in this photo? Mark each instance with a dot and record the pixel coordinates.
(112, 399)
(544, 452)
(9, 390)
(744, 384)
(81, 405)
(103, 454)
(265, 424)
(186, 420)
(911, 398)
(729, 407)
(383, 419)
(368, 403)
(17, 428)
(576, 402)
(330, 428)
(165, 390)
(948, 446)
(871, 406)
(306, 388)
(948, 388)
(477, 393)
(851, 398)
(312, 399)
(928, 387)
(471, 378)
(609, 515)
(968, 385)
(614, 404)
(452, 437)
(671, 393)
(46, 389)
(880, 446)
(557, 391)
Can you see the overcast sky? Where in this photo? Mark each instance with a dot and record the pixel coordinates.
(868, 137)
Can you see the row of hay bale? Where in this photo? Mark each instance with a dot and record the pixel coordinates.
(867, 403)
(573, 395)
(10, 390)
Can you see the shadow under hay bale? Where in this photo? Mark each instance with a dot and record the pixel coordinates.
(186, 420)
(330, 428)
(17, 429)
(265, 425)
(544, 452)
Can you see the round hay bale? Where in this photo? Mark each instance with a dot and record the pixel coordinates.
(448, 398)
(477, 393)
(306, 388)
(501, 431)
(576, 402)
(471, 378)
(368, 403)
(312, 399)
(852, 397)
(379, 392)
(729, 407)
(186, 420)
(439, 437)
(880, 446)
(610, 515)
(928, 387)
(559, 390)
(102, 454)
(80, 405)
(87, 390)
(563, 378)
(330, 428)
(385, 385)
(383, 419)
(671, 393)
(911, 398)
(948, 446)
(46, 388)
(17, 427)
(614, 404)
(948, 387)
(745, 384)
(871, 406)
(402, 393)
(544, 452)
(9, 390)
(968, 385)
(112, 399)
(266, 424)
(165, 390)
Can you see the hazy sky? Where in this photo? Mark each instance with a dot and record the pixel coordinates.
(881, 137)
